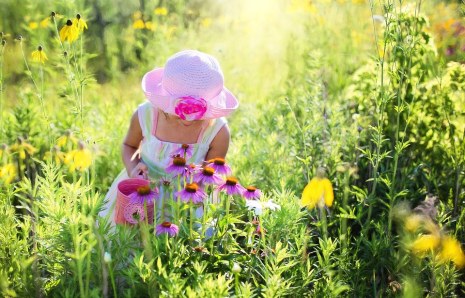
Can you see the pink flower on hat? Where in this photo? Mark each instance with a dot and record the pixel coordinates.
(190, 108)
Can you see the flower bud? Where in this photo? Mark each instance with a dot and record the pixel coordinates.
(236, 268)
(107, 257)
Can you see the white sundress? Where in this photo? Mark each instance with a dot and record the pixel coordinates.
(156, 154)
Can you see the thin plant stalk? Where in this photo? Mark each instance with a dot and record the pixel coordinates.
(2, 51)
(379, 125)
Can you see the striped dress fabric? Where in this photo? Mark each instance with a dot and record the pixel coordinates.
(156, 154)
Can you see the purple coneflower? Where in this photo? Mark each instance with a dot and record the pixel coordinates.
(143, 193)
(252, 193)
(232, 187)
(185, 151)
(192, 192)
(167, 227)
(177, 167)
(208, 176)
(220, 166)
(192, 169)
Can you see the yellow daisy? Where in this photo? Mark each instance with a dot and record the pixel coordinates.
(138, 24)
(7, 173)
(79, 159)
(319, 191)
(33, 25)
(67, 138)
(451, 250)
(69, 32)
(56, 154)
(22, 147)
(425, 243)
(44, 23)
(39, 55)
(150, 26)
(161, 11)
(80, 23)
(413, 222)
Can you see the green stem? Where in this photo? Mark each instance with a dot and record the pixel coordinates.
(1, 85)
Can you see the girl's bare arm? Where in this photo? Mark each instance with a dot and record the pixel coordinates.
(130, 145)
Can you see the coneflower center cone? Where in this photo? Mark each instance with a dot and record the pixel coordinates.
(251, 188)
(143, 190)
(207, 171)
(192, 187)
(179, 161)
(219, 161)
(231, 181)
(166, 224)
(185, 146)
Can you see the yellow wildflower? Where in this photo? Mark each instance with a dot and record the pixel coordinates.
(67, 138)
(412, 222)
(319, 191)
(7, 173)
(137, 15)
(138, 24)
(425, 243)
(80, 23)
(39, 55)
(79, 159)
(56, 154)
(150, 26)
(69, 32)
(161, 11)
(451, 250)
(22, 147)
(44, 23)
(33, 25)
(206, 22)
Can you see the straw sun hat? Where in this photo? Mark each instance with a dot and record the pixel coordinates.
(190, 85)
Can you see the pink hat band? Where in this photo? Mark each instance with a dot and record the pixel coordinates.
(191, 85)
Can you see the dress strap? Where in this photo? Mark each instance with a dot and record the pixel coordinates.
(154, 121)
(212, 130)
(145, 114)
(205, 125)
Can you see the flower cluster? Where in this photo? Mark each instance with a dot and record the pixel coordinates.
(199, 186)
(423, 236)
(72, 29)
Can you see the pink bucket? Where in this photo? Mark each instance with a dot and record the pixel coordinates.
(124, 209)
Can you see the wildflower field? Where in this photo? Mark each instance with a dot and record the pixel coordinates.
(344, 177)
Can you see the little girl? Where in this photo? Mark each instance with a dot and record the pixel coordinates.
(186, 104)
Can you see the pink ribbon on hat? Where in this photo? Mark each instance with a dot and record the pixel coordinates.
(190, 108)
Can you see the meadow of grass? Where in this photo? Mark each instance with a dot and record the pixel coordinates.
(370, 91)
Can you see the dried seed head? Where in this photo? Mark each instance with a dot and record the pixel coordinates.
(65, 53)
(53, 14)
(69, 23)
(39, 48)
(81, 145)
(19, 37)
(78, 16)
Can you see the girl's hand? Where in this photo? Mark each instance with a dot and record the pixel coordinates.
(140, 170)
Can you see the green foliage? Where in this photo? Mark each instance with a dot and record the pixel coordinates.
(387, 129)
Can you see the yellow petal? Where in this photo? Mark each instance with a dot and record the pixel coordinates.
(451, 250)
(412, 222)
(425, 243)
(328, 192)
(312, 193)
